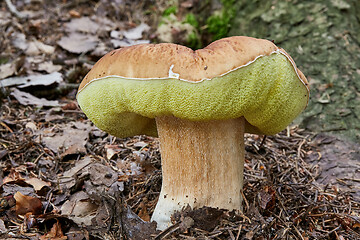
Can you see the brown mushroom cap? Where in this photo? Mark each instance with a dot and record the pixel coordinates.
(153, 61)
(230, 78)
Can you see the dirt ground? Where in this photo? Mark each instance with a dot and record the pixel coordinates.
(63, 178)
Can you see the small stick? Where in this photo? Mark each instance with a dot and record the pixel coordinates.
(13, 10)
(238, 234)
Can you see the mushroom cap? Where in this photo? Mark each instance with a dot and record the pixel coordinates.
(232, 77)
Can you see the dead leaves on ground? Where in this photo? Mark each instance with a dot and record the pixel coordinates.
(62, 185)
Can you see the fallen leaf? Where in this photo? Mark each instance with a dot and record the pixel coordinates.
(72, 135)
(3, 153)
(68, 179)
(79, 208)
(33, 80)
(266, 198)
(49, 67)
(19, 40)
(134, 227)
(11, 188)
(26, 99)
(78, 43)
(37, 183)
(143, 213)
(55, 233)
(37, 47)
(112, 150)
(84, 24)
(31, 125)
(102, 175)
(13, 176)
(26, 204)
(3, 228)
(135, 33)
(7, 70)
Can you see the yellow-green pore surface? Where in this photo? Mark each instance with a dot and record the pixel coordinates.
(267, 92)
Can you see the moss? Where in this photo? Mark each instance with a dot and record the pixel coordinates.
(191, 19)
(170, 10)
(219, 23)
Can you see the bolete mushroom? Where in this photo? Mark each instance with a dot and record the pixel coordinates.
(199, 103)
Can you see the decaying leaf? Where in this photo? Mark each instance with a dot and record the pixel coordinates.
(135, 227)
(68, 179)
(78, 43)
(36, 47)
(133, 33)
(143, 213)
(13, 176)
(73, 135)
(19, 40)
(83, 24)
(129, 37)
(37, 183)
(3, 228)
(7, 70)
(79, 208)
(10, 189)
(49, 67)
(25, 98)
(55, 233)
(32, 80)
(266, 198)
(26, 204)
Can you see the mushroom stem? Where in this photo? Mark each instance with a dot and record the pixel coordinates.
(202, 165)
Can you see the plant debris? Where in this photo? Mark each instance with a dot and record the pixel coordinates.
(118, 190)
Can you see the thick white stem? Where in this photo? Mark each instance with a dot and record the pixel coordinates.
(202, 165)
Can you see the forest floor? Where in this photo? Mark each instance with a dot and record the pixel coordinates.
(63, 178)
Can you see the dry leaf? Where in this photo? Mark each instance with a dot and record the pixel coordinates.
(267, 198)
(73, 135)
(37, 183)
(7, 70)
(13, 177)
(79, 208)
(143, 213)
(33, 80)
(136, 33)
(55, 233)
(26, 204)
(49, 67)
(19, 40)
(36, 48)
(26, 99)
(84, 24)
(78, 43)
(3, 228)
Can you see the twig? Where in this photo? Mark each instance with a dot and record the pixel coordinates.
(238, 234)
(167, 231)
(14, 11)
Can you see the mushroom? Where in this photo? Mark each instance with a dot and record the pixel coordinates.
(199, 103)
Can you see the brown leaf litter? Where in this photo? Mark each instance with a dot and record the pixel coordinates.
(109, 190)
